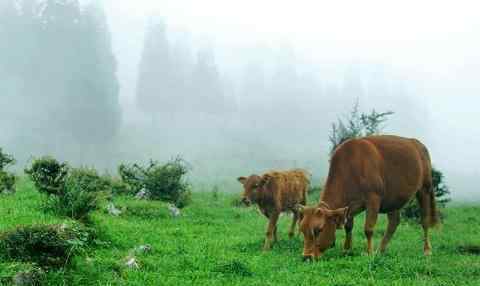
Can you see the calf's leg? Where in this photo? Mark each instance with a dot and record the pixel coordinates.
(272, 224)
(291, 232)
(393, 221)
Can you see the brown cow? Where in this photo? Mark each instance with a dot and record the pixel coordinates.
(276, 192)
(379, 174)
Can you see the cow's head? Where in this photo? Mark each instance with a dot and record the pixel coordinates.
(318, 227)
(251, 185)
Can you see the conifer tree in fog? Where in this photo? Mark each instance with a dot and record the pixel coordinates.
(170, 83)
(60, 71)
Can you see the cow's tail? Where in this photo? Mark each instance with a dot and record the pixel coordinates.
(432, 214)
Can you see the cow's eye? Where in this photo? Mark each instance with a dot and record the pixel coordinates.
(317, 231)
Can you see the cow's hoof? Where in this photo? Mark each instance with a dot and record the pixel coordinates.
(427, 252)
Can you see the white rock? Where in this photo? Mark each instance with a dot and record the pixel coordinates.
(143, 194)
(174, 211)
(132, 263)
(113, 210)
(143, 248)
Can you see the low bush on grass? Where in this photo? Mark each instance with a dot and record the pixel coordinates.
(79, 195)
(48, 175)
(48, 246)
(165, 182)
(71, 192)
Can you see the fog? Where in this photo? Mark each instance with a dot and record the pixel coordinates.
(236, 87)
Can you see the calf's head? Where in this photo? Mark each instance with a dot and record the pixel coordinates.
(251, 186)
(318, 227)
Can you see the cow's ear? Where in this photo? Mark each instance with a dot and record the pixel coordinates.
(338, 216)
(265, 180)
(242, 180)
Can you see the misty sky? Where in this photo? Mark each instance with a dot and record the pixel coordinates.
(432, 43)
(279, 67)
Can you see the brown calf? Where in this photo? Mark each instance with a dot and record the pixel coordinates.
(276, 192)
(379, 174)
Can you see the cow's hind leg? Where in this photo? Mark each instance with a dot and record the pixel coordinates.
(291, 232)
(373, 206)
(348, 234)
(424, 201)
(272, 225)
(393, 221)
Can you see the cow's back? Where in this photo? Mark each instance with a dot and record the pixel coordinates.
(406, 168)
(393, 167)
(289, 187)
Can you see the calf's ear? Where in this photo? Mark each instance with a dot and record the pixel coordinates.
(242, 180)
(265, 180)
(338, 216)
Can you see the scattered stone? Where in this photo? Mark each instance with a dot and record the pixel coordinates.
(132, 262)
(112, 210)
(147, 248)
(174, 211)
(8, 192)
(143, 194)
(33, 276)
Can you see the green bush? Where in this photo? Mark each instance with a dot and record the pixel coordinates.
(441, 191)
(7, 180)
(163, 182)
(79, 196)
(5, 160)
(132, 176)
(48, 175)
(70, 192)
(48, 246)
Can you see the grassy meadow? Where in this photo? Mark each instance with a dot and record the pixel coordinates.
(214, 243)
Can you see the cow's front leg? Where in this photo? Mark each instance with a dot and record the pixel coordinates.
(348, 234)
(272, 224)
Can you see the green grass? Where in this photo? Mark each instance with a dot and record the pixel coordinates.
(213, 243)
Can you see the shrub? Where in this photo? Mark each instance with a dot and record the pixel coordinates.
(441, 191)
(79, 195)
(48, 246)
(133, 176)
(48, 175)
(163, 182)
(5, 160)
(357, 125)
(7, 180)
(70, 192)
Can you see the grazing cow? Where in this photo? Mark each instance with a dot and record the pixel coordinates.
(379, 174)
(276, 192)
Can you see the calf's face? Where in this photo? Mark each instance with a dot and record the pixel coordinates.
(250, 186)
(318, 227)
